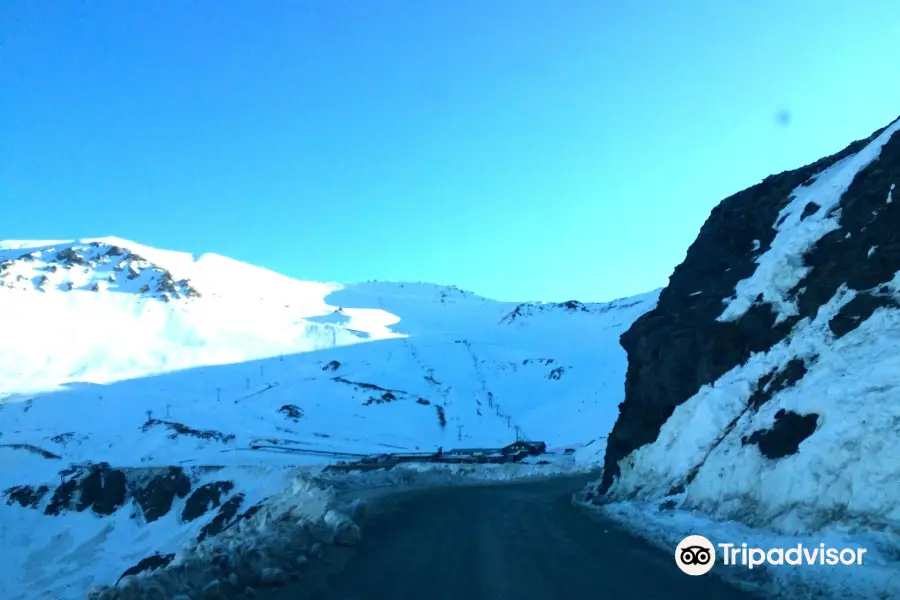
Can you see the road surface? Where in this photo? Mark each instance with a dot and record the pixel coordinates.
(498, 542)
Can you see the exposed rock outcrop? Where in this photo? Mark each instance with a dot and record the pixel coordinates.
(793, 265)
(94, 266)
(680, 345)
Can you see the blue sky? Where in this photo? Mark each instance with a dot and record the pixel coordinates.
(522, 149)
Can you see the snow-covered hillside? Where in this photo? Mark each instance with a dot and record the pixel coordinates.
(104, 310)
(765, 386)
(157, 377)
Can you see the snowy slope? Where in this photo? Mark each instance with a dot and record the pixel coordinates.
(763, 388)
(112, 310)
(188, 362)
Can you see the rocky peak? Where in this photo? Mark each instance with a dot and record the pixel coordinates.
(527, 310)
(93, 266)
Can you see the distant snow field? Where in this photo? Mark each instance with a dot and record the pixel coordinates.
(205, 382)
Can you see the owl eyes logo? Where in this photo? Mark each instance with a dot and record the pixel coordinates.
(695, 555)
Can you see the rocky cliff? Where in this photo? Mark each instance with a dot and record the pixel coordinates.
(763, 386)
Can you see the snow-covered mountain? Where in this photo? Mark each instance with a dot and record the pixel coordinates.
(149, 397)
(764, 387)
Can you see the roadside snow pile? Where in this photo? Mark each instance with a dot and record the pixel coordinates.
(101, 524)
(877, 579)
(263, 546)
(409, 475)
(276, 538)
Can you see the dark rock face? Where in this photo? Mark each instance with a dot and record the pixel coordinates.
(855, 312)
(99, 487)
(103, 490)
(679, 346)
(573, 306)
(70, 257)
(62, 498)
(785, 436)
(151, 563)
(156, 497)
(26, 496)
(774, 382)
(205, 498)
(223, 518)
(32, 448)
(180, 429)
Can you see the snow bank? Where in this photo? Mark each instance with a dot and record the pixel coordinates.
(413, 475)
(847, 471)
(61, 557)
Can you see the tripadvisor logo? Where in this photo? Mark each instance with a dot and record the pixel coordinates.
(695, 555)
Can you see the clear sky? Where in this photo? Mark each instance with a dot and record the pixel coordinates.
(527, 149)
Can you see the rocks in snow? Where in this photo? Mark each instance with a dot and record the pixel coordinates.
(317, 550)
(156, 496)
(205, 498)
(70, 257)
(292, 412)
(785, 436)
(27, 496)
(272, 576)
(345, 531)
(151, 563)
(556, 373)
(214, 590)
